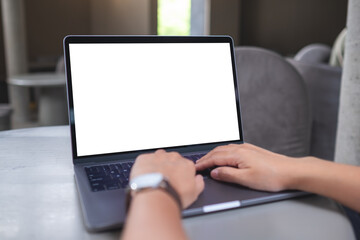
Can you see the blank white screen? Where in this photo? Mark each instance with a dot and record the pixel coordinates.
(130, 97)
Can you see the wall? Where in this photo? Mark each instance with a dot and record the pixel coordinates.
(48, 22)
(127, 17)
(287, 26)
(225, 18)
(284, 26)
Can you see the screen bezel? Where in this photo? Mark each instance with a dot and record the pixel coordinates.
(76, 39)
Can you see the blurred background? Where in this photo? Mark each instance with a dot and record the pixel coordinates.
(31, 34)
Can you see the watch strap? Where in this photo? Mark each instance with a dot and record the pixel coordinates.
(164, 186)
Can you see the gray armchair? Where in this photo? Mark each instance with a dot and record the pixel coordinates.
(314, 53)
(274, 102)
(323, 84)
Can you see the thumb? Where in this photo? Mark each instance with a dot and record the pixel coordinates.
(227, 174)
(199, 187)
(199, 184)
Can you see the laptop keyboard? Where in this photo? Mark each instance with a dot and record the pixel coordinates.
(109, 176)
(116, 175)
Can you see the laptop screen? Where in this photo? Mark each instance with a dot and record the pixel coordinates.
(138, 96)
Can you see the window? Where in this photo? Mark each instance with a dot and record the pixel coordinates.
(174, 17)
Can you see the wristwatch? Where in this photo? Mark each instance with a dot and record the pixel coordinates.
(150, 181)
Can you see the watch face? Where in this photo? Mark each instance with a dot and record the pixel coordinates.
(147, 180)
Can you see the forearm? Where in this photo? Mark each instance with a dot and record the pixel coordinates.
(153, 215)
(338, 181)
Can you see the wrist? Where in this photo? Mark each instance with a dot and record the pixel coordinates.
(151, 182)
(298, 173)
(156, 199)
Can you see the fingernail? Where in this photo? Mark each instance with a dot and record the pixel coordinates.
(214, 173)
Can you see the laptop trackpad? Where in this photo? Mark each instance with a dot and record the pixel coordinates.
(218, 195)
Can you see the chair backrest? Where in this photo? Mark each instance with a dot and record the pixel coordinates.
(314, 53)
(274, 102)
(323, 83)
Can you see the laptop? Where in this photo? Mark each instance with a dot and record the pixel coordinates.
(130, 95)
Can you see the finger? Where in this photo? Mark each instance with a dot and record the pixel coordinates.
(228, 174)
(218, 150)
(218, 159)
(225, 148)
(199, 184)
(173, 156)
(160, 151)
(236, 155)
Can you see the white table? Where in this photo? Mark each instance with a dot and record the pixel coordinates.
(52, 97)
(38, 200)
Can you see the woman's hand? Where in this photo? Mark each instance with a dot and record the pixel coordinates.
(250, 166)
(179, 171)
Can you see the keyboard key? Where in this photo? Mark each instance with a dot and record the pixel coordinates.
(205, 173)
(124, 184)
(112, 186)
(108, 176)
(89, 170)
(113, 167)
(119, 167)
(97, 188)
(96, 179)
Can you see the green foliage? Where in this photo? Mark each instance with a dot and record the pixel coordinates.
(174, 17)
